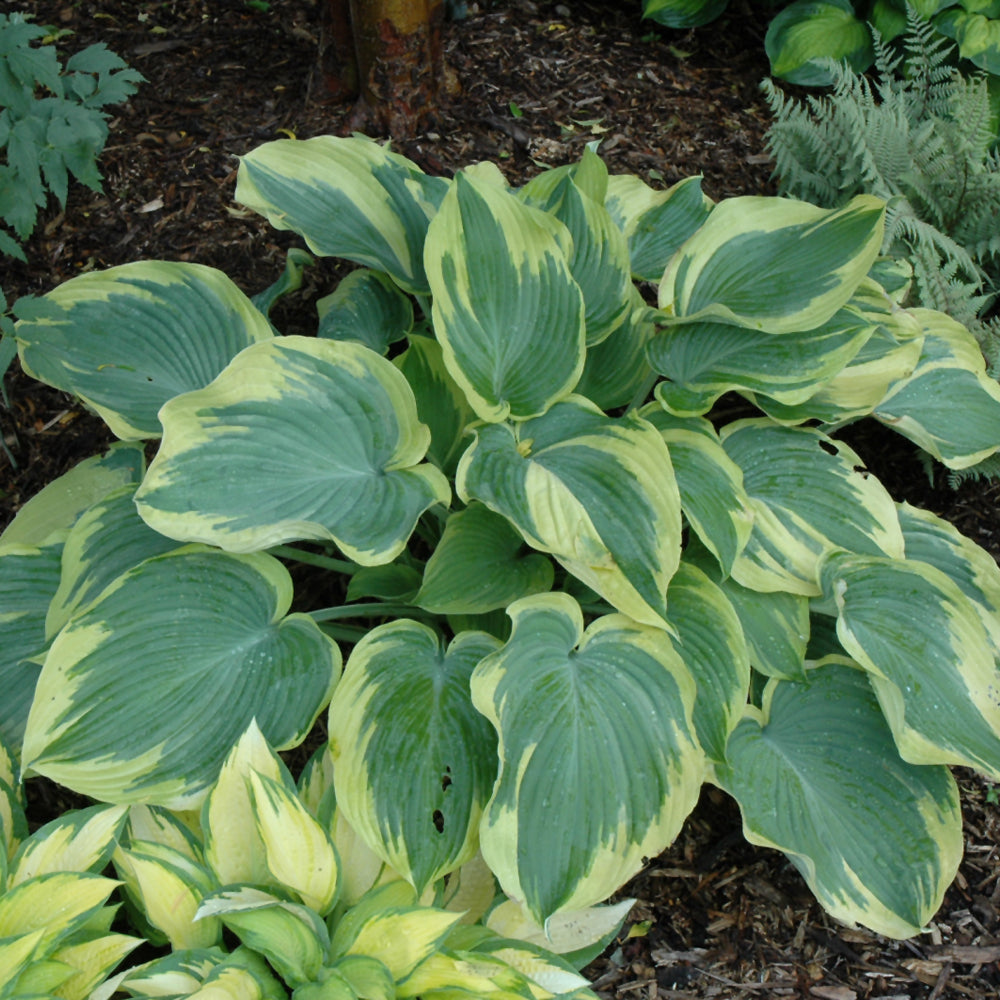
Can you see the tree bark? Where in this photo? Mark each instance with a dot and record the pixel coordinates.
(389, 53)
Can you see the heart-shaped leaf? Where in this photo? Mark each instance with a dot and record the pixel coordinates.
(134, 336)
(597, 493)
(414, 762)
(599, 764)
(478, 566)
(128, 703)
(817, 776)
(332, 452)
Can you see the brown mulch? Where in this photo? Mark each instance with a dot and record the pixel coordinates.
(538, 80)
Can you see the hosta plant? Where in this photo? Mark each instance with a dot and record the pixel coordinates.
(314, 913)
(563, 588)
(906, 138)
(55, 921)
(804, 34)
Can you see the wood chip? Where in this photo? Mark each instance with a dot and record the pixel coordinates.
(833, 993)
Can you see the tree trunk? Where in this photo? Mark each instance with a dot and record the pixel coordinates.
(389, 53)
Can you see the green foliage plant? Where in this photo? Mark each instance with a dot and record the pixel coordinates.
(51, 122)
(314, 914)
(561, 598)
(55, 920)
(805, 34)
(920, 137)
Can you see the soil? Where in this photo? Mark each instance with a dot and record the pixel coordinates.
(533, 83)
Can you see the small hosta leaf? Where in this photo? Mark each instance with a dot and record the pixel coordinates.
(478, 566)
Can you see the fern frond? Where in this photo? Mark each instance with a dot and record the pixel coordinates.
(928, 76)
(985, 471)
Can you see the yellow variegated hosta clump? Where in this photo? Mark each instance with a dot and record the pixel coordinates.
(55, 924)
(317, 913)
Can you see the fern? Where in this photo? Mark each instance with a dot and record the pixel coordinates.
(918, 136)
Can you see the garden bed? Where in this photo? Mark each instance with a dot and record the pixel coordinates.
(534, 83)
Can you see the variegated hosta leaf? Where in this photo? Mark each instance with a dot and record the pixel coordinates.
(90, 959)
(470, 891)
(773, 264)
(703, 360)
(599, 763)
(949, 405)
(806, 32)
(168, 887)
(134, 336)
(16, 952)
(388, 925)
(597, 493)
(296, 261)
(817, 776)
(108, 540)
(616, 369)
(347, 198)
(441, 404)
(57, 903)
(508, 314)
(234, 848)
(161, 826)
(599, 261)
(655, 223)
(239, 981)
(589, 174)
(478, 566)
(78, 841)
(710, 483)
(711, 643)
(366, 977)
(297, 850)
(566, 933)
(775, 626)
(414, 762)
(508, 970)
(367, 307)
(327, 434)
(178, 972)
(932, 661)
(933, 540)
(127, 704)
(51, 512)
(809, 495)
(291, 937)
(860, 386)
(537, 963)
(976, 28)
(29, 579)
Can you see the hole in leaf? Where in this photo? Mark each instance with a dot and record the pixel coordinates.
(446, 779)
(828, 448)
(438, 820)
